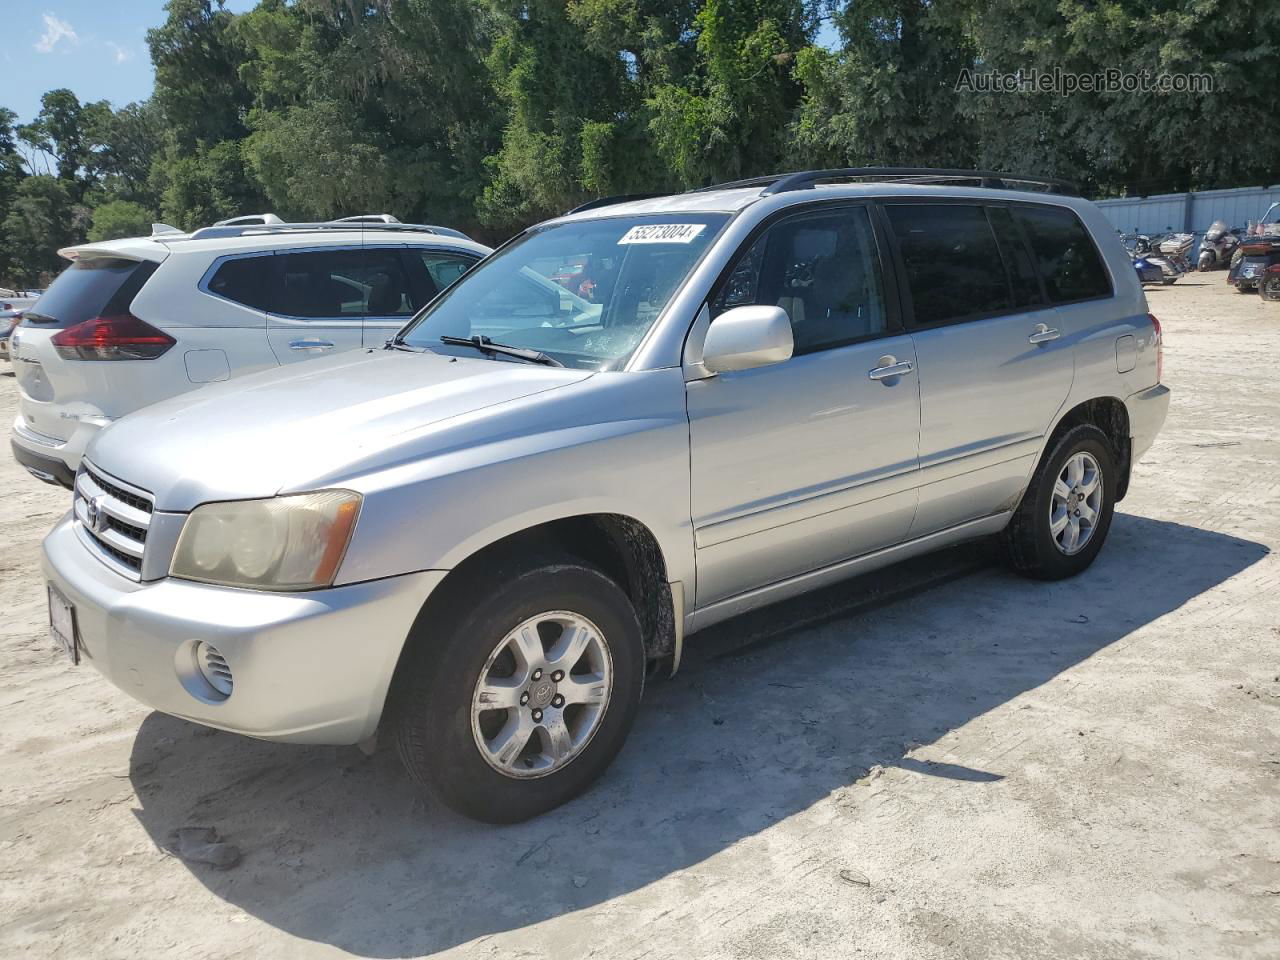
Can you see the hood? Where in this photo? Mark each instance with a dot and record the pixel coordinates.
(285, 428)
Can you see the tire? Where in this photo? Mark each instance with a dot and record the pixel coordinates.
(1269, 287)
(437, 689)
(1033, 547)
(1206, 262)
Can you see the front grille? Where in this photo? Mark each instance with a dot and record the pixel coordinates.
(112, 520)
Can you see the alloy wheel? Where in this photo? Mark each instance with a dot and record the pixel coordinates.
(1076, 505)
(542, 694)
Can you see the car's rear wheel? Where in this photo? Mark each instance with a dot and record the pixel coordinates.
(521, 698)
(1066, 512)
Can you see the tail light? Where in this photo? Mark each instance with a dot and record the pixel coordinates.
(120, 337)
(1155, 325)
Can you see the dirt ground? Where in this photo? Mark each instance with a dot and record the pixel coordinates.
(975, 766)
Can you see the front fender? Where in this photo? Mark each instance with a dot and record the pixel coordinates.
(617, 443)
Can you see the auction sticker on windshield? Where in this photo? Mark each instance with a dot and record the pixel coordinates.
(662, 233)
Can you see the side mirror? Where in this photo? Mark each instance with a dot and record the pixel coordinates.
(747, 337)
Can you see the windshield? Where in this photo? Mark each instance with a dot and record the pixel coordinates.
(584, 292)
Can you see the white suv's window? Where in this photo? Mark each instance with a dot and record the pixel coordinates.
(328, 284)
(584, 292)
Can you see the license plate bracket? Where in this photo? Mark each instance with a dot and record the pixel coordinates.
(62, 624)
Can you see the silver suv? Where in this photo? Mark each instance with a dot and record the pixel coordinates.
(629, 423)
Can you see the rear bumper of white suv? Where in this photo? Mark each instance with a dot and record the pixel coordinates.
(311, 667)
(51, 459)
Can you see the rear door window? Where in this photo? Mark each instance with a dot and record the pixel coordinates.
(1017, 259)
(953, 265)
(1065, 254)
(91, 287)
(245, 280)
(342, 284)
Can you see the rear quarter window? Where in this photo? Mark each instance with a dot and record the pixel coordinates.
(245, 280)
(1065, 254)
(92, 287)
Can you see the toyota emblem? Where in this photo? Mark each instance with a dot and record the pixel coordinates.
(93, 513)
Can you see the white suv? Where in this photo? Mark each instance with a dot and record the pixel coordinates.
(207, 306)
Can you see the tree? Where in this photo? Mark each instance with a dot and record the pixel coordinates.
(887, 95)
(120, 218)
(126, 143)
(61, 130)
(730, 118)
(42, 217)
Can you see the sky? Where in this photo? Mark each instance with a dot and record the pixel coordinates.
(96, 48)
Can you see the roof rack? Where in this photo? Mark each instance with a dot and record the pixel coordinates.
(807, 179)
(216, 232)
(610, 201)
(369, 218)
(258, 218)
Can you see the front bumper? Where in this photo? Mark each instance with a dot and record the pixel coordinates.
(311, 667)
(1147, 411)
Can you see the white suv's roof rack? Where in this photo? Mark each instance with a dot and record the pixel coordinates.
(369, 218)
(246, 229)
(249, 218)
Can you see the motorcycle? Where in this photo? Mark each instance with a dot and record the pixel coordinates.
(1254, 260)
(1177, 248)
(1141, 245)
(1269, 285)
(1218, 245)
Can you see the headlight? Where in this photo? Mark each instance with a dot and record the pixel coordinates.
(285, 543)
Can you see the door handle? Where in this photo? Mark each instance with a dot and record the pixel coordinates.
(889, 368)
(311, 346)
(1043, 334)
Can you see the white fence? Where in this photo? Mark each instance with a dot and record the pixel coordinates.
(1189, 212)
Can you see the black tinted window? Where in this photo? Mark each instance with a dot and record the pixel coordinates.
(822, 268)
(245, 280)
(1068, 260)
(953, 266)
(339, 284)
(444, 268)
(1017, 259)
(93, 287)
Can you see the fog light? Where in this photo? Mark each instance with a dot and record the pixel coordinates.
(213, 667)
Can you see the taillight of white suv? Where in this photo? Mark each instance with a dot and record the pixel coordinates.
(120, 337)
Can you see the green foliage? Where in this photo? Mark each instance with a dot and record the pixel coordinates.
(120, 218)
(491, 114)
(42, 216)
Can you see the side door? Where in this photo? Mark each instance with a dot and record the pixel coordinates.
(318, 302)
(811, 461)
(994, 366)
(404, 280)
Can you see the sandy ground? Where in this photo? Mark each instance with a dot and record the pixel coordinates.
(978, 766)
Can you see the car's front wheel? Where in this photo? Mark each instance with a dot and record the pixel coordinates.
(1066, 512)
(1269, 286)
(519, 699)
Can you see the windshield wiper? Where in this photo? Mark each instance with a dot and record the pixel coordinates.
(485, 345)
(30, 317)
(397, 343)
